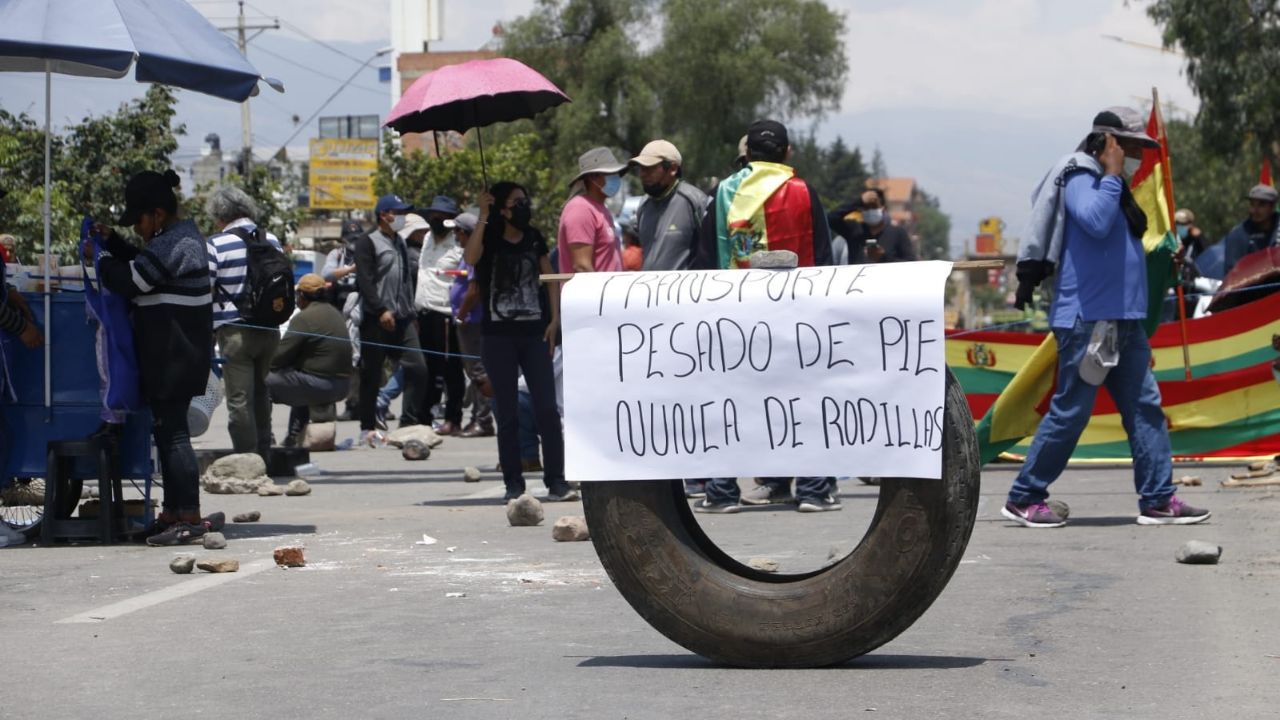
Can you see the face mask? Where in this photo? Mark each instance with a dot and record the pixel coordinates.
(397, 223)
(438, 230)
(612, 185)
(873, 216)
(1183, 231)
(521, 214)
(1131, 166)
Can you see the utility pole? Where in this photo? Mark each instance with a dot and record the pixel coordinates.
(246, 132)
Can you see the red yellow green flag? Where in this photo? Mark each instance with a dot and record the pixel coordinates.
(1017, 411)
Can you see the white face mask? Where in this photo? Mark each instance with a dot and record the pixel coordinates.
(873, 216)
(397, 223)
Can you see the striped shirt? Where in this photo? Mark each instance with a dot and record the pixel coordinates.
(228, 270)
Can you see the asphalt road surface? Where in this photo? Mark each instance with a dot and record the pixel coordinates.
(1094, 620)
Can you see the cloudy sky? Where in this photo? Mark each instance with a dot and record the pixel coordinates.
(974, 99)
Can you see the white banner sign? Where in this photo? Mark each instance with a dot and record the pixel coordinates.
(739, 373)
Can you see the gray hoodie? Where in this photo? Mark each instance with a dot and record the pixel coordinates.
(1042, 240)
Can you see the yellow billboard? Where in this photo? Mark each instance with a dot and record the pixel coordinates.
(342, 173)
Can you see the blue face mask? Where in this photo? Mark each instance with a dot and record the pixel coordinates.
(612, 185)
(1182, 231)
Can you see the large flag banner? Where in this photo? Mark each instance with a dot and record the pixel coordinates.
(1021, 404)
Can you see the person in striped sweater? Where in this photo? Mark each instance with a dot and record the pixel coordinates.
(167, 281)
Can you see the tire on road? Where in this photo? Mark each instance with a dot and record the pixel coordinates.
(692, 592)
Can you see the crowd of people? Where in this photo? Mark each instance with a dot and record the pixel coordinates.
(447, 309)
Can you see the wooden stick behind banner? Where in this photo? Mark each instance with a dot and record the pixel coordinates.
(1180, 257)
(957, 265)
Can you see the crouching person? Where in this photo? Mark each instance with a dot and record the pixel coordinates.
(312, 366)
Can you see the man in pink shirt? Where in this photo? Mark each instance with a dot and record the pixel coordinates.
(585, 241)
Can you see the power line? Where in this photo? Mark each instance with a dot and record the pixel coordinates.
(308, 68)
(294, 28)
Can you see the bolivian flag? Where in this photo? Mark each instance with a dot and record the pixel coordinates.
(1017, 411)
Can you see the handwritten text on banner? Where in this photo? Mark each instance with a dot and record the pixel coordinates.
(814, 371)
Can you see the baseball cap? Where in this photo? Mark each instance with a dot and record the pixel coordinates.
(1123, 122)
(657, 151)
(767, 136)
(1265, 193)
(310, 284)
(1102, 353)
(147, 191)
(598, 160)
(391, 203)
(413, 222)
(466, 222)
(1184, 217)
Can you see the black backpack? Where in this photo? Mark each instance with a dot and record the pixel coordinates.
(268, 284)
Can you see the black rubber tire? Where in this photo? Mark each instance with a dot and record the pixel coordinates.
(692, 592)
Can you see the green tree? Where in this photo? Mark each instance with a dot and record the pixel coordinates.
(274, 188)
(836, 172)
(419, 176)
(722, 65)
(1211, 183)
(91, 163)
(933, 227)
(715, 68)
(1232, 50)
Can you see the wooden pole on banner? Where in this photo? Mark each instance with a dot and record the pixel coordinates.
(1180, 257)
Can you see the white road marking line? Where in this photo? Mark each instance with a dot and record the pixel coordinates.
(155, 597)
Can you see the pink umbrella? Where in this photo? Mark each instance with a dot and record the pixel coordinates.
(474, 94)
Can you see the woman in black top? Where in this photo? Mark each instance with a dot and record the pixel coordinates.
(521, 320)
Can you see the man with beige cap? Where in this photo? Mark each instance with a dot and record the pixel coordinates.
(585, 241)
(312, 365)
(669, 218)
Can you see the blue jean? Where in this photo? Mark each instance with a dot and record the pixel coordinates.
(528, 427)
(1133, 388)
(505, 358)
(725, 490)
(391, 390)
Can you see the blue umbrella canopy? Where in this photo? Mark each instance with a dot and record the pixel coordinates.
(168, 41)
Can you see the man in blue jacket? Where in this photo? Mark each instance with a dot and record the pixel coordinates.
(1259, 231)
(1099, 305)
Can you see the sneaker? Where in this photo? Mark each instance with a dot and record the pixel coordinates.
(380, 419)
(827, 503)
(695, 490)
(1033, 515)
(705, 506)
(566, 494)
(177, 534)
(372, 438)
(1174, 512)
(768, 495)
(446, 428)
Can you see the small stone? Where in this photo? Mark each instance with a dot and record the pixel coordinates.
(415, 450)
(289, 556)
(270, 490)
(524, 511)
(1199, 552)
(763, 564)
(242, 474)
(472, 474)
(320, 437)
(570, 528)
(182, 564)
(775, 259)
(421, 433)
(246, 517)
(297, 487)
(1189, 481)
(219, 566)
(1059, 508)
(214, 541)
